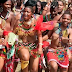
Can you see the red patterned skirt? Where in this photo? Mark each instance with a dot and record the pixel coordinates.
(58, 55)
(33, 50)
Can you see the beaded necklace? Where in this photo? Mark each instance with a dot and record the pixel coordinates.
(64, 34)
(61, 53)
(6, 17)
(25, 30)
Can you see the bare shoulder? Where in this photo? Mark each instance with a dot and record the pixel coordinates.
(11, 13)
(70, 31)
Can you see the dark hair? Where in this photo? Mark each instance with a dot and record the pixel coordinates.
(30, 8)
(30, 3)
(43, 4)
(69, 5)
(67, 12)
(36, 11)
(3, 1)
(53, 5)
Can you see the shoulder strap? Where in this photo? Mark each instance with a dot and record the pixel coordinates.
(21, 17)
(58, 30)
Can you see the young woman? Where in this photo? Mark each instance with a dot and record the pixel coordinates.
(38, 8)
(7, 22)
(28, 50)
(3, 49)
(57, 51)
(60, 6)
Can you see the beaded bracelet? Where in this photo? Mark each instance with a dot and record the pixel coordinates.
(40, 44)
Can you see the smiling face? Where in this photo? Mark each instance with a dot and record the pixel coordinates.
(27, 13)
(60, 6)
(66, 19)
(54, 12)
(38, 6)
(7, 5)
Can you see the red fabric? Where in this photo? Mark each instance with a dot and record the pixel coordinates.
(40, 25)
(9, 65)
(2, 55)
(47, 25)
(53, 57)
(45, 44)
(6, 32)
(38, 22)
(34, 52)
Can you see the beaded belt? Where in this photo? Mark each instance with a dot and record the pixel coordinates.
(29, 45)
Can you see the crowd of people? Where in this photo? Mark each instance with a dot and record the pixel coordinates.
(37, 34)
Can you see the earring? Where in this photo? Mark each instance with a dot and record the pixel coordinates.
(1, 8)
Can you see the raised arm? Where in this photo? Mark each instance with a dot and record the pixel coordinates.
(40, 42)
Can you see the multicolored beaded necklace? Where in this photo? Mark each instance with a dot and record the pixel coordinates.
(25, 30)
(6, 17)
